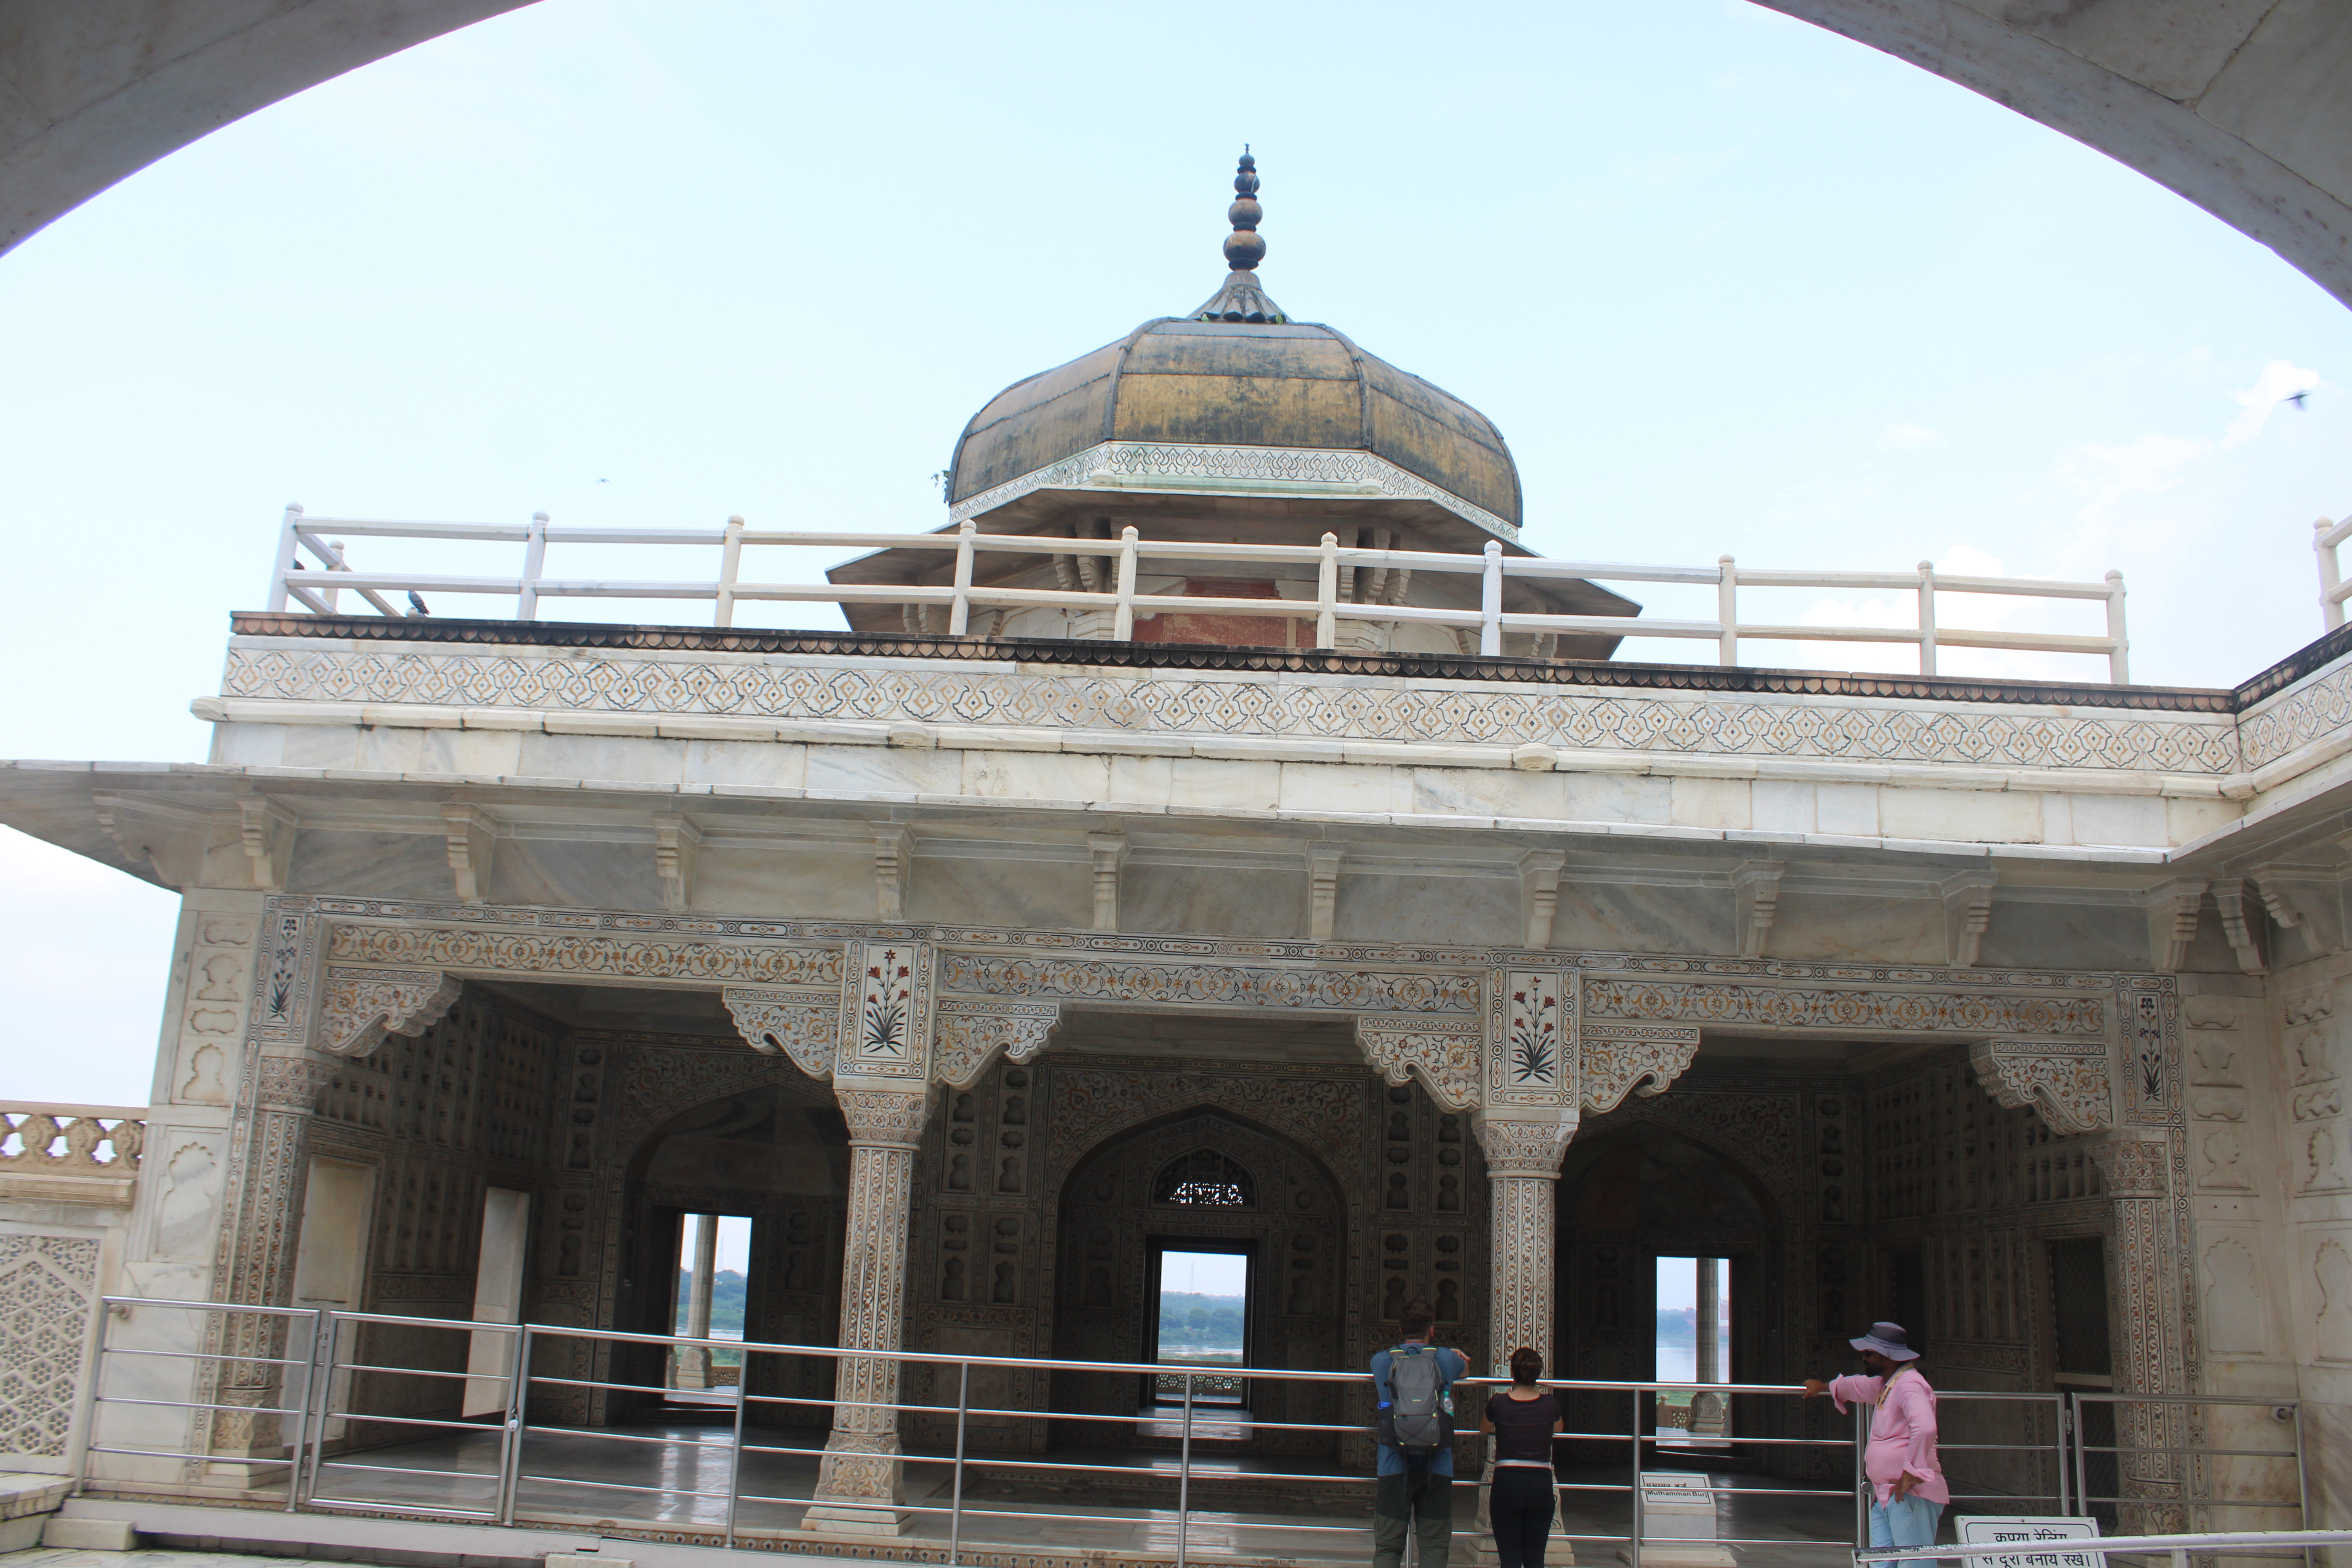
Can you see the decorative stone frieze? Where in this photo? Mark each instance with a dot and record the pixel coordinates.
(1743, 1000)
(803, 1025)
(1632, 1058)
(612, 956)
(1448, 1055)
(968, 1033)
(359, 1007)
(1226, 984)
(2072, 737)
(2066, 1080)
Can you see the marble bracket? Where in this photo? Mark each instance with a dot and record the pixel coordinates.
(2244, 922)
(2303, 899)
(1445, 1053)
(265, 828)
(1540, 894)
(2068, 1082)
(170, 839)
(1756, 887)
(1968, 915)
(2172, 909)
(1108, 853)
(358, 1007)
(804, 1025)
(1632, 1058)
(676, 841)
(1322, 888)
(473, 837)
(968, 1033)
(894, 863)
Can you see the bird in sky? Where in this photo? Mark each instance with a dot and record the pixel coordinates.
(2296, 398)
(417, 604)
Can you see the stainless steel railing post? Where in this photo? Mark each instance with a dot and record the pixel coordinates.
(1634, 1541)
(328, 1342)
(2302, 1484)
(1185, 1473)
(735, 1454)
(955, 1500)
(517, 1412)
(1861, 1477)
(294, 1450)
(2075, 1431)
(90, 1414)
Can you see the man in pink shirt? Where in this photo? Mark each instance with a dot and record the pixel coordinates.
(1907, 1484)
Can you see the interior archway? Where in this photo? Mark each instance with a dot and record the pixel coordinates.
(1209, 1180)
(1627, 1199)
(777, 1154)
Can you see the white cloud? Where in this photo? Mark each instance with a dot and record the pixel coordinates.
(1908, 438)
(2278, 381)
(2103, 475)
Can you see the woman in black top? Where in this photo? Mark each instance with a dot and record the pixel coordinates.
(1524, 1419)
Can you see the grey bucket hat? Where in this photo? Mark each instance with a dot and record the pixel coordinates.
(1889, 1340)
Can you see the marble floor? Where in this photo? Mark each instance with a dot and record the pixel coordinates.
(1241, 1508)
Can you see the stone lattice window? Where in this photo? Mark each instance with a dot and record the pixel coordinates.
(1204, 1179)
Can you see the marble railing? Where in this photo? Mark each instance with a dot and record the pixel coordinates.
(70, 1153)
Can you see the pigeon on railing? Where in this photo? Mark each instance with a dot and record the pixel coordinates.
(417, 604)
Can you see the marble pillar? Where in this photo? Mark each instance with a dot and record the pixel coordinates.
(859, 1486)
(1522, 1158)
(693, 1362)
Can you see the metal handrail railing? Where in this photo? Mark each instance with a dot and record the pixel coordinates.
(320, 1364)
(317, 588)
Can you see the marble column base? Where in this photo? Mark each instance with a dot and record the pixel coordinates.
(857, 1519)
(1680, 1554)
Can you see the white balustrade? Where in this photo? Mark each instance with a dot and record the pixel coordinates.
(79, 1153)
(316, 588)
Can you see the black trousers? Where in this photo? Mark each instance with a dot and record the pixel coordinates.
(1521, 1508)
(1422, 1500)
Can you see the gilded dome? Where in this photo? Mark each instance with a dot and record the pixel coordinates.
(1276, 385)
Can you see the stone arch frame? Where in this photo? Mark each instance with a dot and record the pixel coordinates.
(1767, 1247)
(654, 1080)
(1300, 1220)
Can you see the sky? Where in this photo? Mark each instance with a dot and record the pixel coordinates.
(1726, 283)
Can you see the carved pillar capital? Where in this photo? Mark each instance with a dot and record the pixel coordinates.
(1444, 1053)
(804, 1025)
(2134, 1167)
(1525, 1145)
(889, 1118)
(2068, 1082)
(969, 1031)
(358, 1007)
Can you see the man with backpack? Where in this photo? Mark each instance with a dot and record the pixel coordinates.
(1412, 1388)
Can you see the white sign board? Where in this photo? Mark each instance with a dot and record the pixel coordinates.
(1988, 1530)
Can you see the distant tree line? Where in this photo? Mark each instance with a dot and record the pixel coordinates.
(1211, 1322)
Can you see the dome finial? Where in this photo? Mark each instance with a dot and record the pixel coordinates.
(1240, 299)
(1243, 248)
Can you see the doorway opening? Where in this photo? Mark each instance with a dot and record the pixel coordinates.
(1201, 1292)
(1693, 1345)
(714, 1255)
